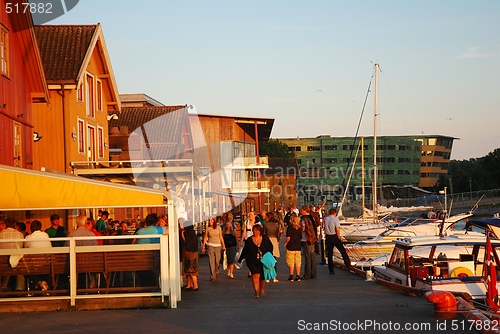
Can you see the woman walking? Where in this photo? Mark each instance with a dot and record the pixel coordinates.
(293, 245)
(215, 242)
(229, 235)
(255, 248)
(190, 262)
(273, 232)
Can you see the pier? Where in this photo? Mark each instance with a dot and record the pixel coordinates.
(227, 306)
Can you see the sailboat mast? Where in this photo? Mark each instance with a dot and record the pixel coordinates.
(375, 172)
(363, 176)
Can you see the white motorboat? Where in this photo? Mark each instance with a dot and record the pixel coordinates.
(377, 233)
(429, 270)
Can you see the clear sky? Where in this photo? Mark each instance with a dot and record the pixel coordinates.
(307, 64)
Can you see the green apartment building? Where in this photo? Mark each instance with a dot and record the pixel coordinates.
(325, 164)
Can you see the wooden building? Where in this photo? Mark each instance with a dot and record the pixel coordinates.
(22, 86)
(84, 95)
(227, 147)
(151, 147)
(282, 178)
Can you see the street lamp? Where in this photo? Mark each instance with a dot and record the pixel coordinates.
(441, 229)
(445, 200)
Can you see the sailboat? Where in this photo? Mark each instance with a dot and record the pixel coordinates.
(357, 229)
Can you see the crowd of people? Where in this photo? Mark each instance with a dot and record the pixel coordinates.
(256, 246)
(85, 226)
(253, 242)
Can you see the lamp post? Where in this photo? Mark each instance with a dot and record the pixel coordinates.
(445, 200)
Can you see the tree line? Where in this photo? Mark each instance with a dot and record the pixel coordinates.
(474, 174)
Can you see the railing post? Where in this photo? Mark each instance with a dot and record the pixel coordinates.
(165, 285)
(73, 277)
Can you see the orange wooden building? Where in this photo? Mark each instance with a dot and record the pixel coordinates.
(83, 92)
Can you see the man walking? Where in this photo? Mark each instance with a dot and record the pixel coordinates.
(332, 231)
(309, 239)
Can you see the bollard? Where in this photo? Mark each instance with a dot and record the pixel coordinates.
(445, 304)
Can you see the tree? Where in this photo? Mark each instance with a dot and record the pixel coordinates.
(474, 174)
(275, 148)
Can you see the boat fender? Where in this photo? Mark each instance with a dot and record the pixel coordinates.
(445, 304)
(461, 272)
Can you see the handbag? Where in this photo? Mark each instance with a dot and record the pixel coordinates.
(224, 262)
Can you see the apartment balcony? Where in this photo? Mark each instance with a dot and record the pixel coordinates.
(250, 187)
(249, 163)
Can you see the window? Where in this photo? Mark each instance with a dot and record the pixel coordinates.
(330, 147)
(91, 140)
(294, 148)
(329, 160)
(4, 51)
(17, 145)
(79, 92)
(81, 136)
(89, 95)
(98, 94)
(313, 148)
(100, 141)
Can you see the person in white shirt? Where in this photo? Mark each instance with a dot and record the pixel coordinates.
(332, 232)
(37, 238)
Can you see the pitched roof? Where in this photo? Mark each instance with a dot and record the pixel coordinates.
(63, 49)
(160, 128)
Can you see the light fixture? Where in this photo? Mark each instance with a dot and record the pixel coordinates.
(112, 116)
(73, 135)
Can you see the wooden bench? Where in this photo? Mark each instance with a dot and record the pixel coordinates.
(106, 263)
(109, 263)
(35, 264)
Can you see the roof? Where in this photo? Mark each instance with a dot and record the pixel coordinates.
(64, 49)
(264, 125)
(160, 128)
(459, 239)
(135, 100)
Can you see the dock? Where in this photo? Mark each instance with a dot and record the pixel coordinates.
(343, 302)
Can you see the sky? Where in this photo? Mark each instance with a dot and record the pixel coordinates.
(308, 64)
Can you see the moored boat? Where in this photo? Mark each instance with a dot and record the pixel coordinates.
(432, 272)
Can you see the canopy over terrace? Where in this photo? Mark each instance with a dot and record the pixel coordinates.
(24, 189)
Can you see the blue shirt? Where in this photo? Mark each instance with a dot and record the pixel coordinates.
(148, 230)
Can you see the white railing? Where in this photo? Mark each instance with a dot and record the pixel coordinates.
(250, 185)
(168, 283)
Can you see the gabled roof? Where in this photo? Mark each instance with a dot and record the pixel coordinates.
(160, 128)
(63, 49)
(66, 52)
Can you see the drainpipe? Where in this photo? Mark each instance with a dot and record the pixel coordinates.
(65, 145)
(63, 101)
(258, 163)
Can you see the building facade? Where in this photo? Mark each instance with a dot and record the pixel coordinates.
(327, 164)
(83, 92)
